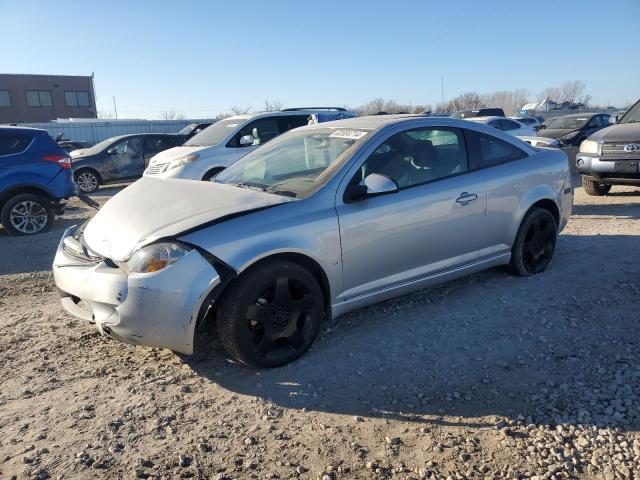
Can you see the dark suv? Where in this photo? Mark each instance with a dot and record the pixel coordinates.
(35, 176)
(611, 156)
(118, 159)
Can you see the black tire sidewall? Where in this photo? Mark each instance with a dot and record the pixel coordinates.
(232, 329)
(594, 188)
(516, 265)
(13, 201)
(87, 170)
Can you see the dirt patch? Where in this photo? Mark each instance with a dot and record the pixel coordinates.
(490, 376)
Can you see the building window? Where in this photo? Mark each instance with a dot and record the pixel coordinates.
(39, 98)
(5, 98)
(77, 99)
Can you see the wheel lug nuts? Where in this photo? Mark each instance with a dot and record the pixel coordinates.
(288, 312)
(275, 325)
(272, 315)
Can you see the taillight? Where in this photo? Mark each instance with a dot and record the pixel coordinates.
(62, 160)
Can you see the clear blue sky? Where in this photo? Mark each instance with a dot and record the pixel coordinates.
(202, 57)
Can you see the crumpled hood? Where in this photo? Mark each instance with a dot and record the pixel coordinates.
(621, 132)
(153, 208)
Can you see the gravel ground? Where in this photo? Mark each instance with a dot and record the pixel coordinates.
(491, 376)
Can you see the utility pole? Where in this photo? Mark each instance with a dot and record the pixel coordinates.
(442, 90)
(114, 107)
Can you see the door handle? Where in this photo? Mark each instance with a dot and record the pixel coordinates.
(466, 198)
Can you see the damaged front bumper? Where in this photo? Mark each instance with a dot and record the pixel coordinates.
(158, 309)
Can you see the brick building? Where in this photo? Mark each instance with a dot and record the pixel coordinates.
(41, 98)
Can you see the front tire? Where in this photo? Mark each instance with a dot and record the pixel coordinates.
(271, 315)
(87, 181)
(597, 189)
(535, 243)
(27, 214)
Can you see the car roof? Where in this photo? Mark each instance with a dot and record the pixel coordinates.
(486, 119)
(579, 115)
(15, 129)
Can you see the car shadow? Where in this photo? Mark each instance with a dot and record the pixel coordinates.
(491, 344)
(622, 210)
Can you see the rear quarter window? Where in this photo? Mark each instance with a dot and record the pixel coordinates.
(487, 151)
(12, 143)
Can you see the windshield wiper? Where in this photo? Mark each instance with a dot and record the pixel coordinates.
(286, 193)
(250, 186)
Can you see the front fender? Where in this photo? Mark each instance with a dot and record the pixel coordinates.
(308, 227)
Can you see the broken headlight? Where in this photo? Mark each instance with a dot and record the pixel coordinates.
(154, 257)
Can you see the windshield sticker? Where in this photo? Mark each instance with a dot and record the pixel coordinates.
(350, 134)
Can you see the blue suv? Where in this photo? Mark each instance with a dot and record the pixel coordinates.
(35, 176)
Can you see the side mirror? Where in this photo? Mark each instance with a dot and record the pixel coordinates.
(246, 140)
(373, 185)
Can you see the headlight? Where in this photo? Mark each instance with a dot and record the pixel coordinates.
(589, 146)
(153, 257)
(179, 162)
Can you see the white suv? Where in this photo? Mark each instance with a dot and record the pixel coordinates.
(225, 142)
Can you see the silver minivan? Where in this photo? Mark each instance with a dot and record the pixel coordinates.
(225, 142)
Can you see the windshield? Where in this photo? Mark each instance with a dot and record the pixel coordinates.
(98, 147)
(187, 130)
(568, 123)
(632, 115)
(294, 164)
(214, 134)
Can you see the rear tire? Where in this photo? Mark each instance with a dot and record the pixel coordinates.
(535, 243)
(591, 187)
(27, 214)
(87, 180)
(271, 314)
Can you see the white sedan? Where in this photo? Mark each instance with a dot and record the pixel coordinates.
(507, 125)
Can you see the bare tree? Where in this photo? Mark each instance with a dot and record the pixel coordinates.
(172, 115)
(572, 91)
(511, 101)
(105, 114)
(464, 101)
(239, 110)
(380, 105)
(272, 106)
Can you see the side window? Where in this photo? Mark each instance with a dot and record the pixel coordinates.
(262, 130)
(289, 122)
(508, 125)
(495, 124)
(418, 156)
(595, 122)
(157, 144)
(487, 151)
(13, 143)
(5, 98)
(132, 146)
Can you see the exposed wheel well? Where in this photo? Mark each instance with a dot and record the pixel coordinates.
(211, 172)
(549, 205)
(92, 170)
(20, 190)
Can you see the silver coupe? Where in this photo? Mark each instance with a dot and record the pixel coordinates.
(321, 220)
